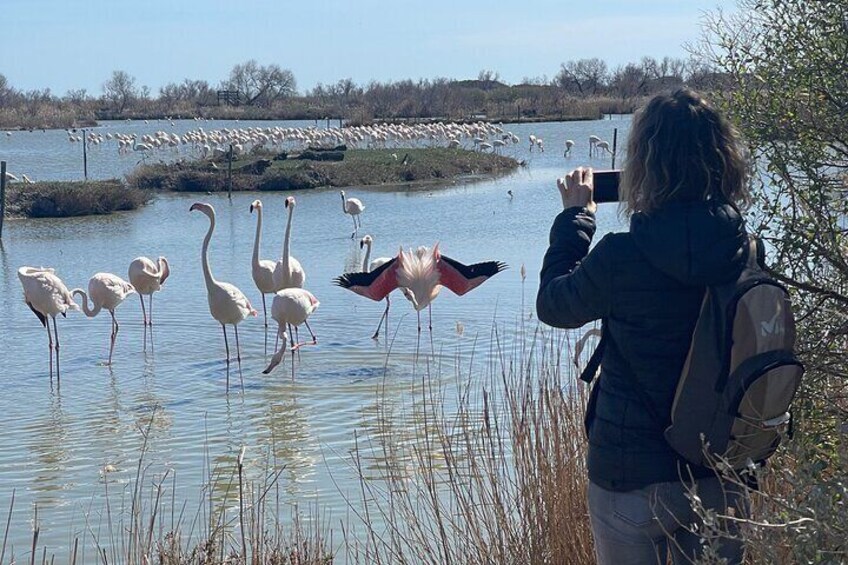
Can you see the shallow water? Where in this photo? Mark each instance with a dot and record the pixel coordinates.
(56, 441)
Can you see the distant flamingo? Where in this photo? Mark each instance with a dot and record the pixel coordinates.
(291, 307)
(106, 291)
(261, 269)
(288, 273)
(532, 140)
(569, 143)
(604, 146)
(354, 207)
(148, 277)
(420, 274)
(367, 267)
(593, 140)
(227, 304)
(46, 295)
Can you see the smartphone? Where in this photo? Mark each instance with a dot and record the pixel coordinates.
(606, 185)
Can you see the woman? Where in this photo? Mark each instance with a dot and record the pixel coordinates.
(683, 186)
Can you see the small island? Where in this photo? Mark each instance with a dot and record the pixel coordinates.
(258, 171)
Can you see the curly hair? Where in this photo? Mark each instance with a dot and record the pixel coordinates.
(681, 149)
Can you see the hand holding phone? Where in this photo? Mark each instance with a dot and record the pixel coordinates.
(606, 185)
(576, 189)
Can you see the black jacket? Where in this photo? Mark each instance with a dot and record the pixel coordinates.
(647, 285)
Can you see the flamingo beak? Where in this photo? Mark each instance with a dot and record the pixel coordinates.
(193, 207)
(287, 203)
(251, 208)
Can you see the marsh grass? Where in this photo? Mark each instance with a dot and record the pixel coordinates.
(237, 520)
(494, 472)
(64, 199)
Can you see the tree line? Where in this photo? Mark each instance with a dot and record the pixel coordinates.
(582, 88)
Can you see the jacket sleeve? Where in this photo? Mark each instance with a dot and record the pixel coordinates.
(574, 288)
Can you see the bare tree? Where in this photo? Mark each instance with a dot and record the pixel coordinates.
(120, 90)
(585, 77)
(261, 85)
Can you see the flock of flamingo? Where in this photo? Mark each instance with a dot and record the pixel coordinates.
(418, 273)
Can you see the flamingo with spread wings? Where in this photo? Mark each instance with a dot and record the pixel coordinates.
(420, 275)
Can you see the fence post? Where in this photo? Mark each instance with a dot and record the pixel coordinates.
(230, 173)
(614, 145)
(2, 195)
(84, 155)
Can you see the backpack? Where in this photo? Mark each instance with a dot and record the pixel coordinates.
(740, 375)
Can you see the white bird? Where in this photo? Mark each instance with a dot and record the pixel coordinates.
(603, 145)
(26, 179)
(290, 308)
(46, 295)
(227, 304)
(288, 272)
(420, 275)
(593, 140)
(354, 207)
(106, 291)
(148, 277)
(10, 177)
(261, 269)
(367, 267)
(569, 143)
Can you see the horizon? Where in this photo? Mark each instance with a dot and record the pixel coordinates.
(161, 43)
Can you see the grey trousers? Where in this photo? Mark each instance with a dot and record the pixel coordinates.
(642, 526)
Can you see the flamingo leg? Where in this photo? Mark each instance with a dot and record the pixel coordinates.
(419, 322)
(265, 311)
(114, 335)
(50, 347)
(238, 356)
(143, 311)
(226, 343)
(430, 314)
(385, 316)
(150, 319)
(56, 335)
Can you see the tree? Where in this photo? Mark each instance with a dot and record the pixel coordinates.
(790, 100)
(584, 77)
(261, 85)
(120, 90)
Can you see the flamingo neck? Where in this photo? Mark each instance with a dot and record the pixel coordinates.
(287, 241)
(89, 311)
(258, 237)
(365, 261)
(207, 271)
(344, 205)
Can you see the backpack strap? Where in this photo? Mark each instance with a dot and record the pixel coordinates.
(591, 369)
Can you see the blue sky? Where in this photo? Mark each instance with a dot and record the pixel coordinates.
(64, 44)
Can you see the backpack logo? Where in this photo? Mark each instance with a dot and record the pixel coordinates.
(772, 327)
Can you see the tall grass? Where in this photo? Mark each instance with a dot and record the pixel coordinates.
(497, 476)
(236, 521)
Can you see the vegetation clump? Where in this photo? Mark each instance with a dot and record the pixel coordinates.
(62, 199)
(357, 167)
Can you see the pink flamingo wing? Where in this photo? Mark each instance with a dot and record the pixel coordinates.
(461, 278)
(375, 285)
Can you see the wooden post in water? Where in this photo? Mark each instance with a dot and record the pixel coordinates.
(2, 195)
(84, 156)
(230, 173)
(614, 145)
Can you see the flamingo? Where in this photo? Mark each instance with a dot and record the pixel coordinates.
(420, 275)
(593, 140)
(354, 207)
(603, 145)
(46, 295)
(148, 277)
(291, 307)
(367, 267)
(261, 269)
(227, 304)
(288, 273)
(106, 291)
(532, 140)
(569, 143)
